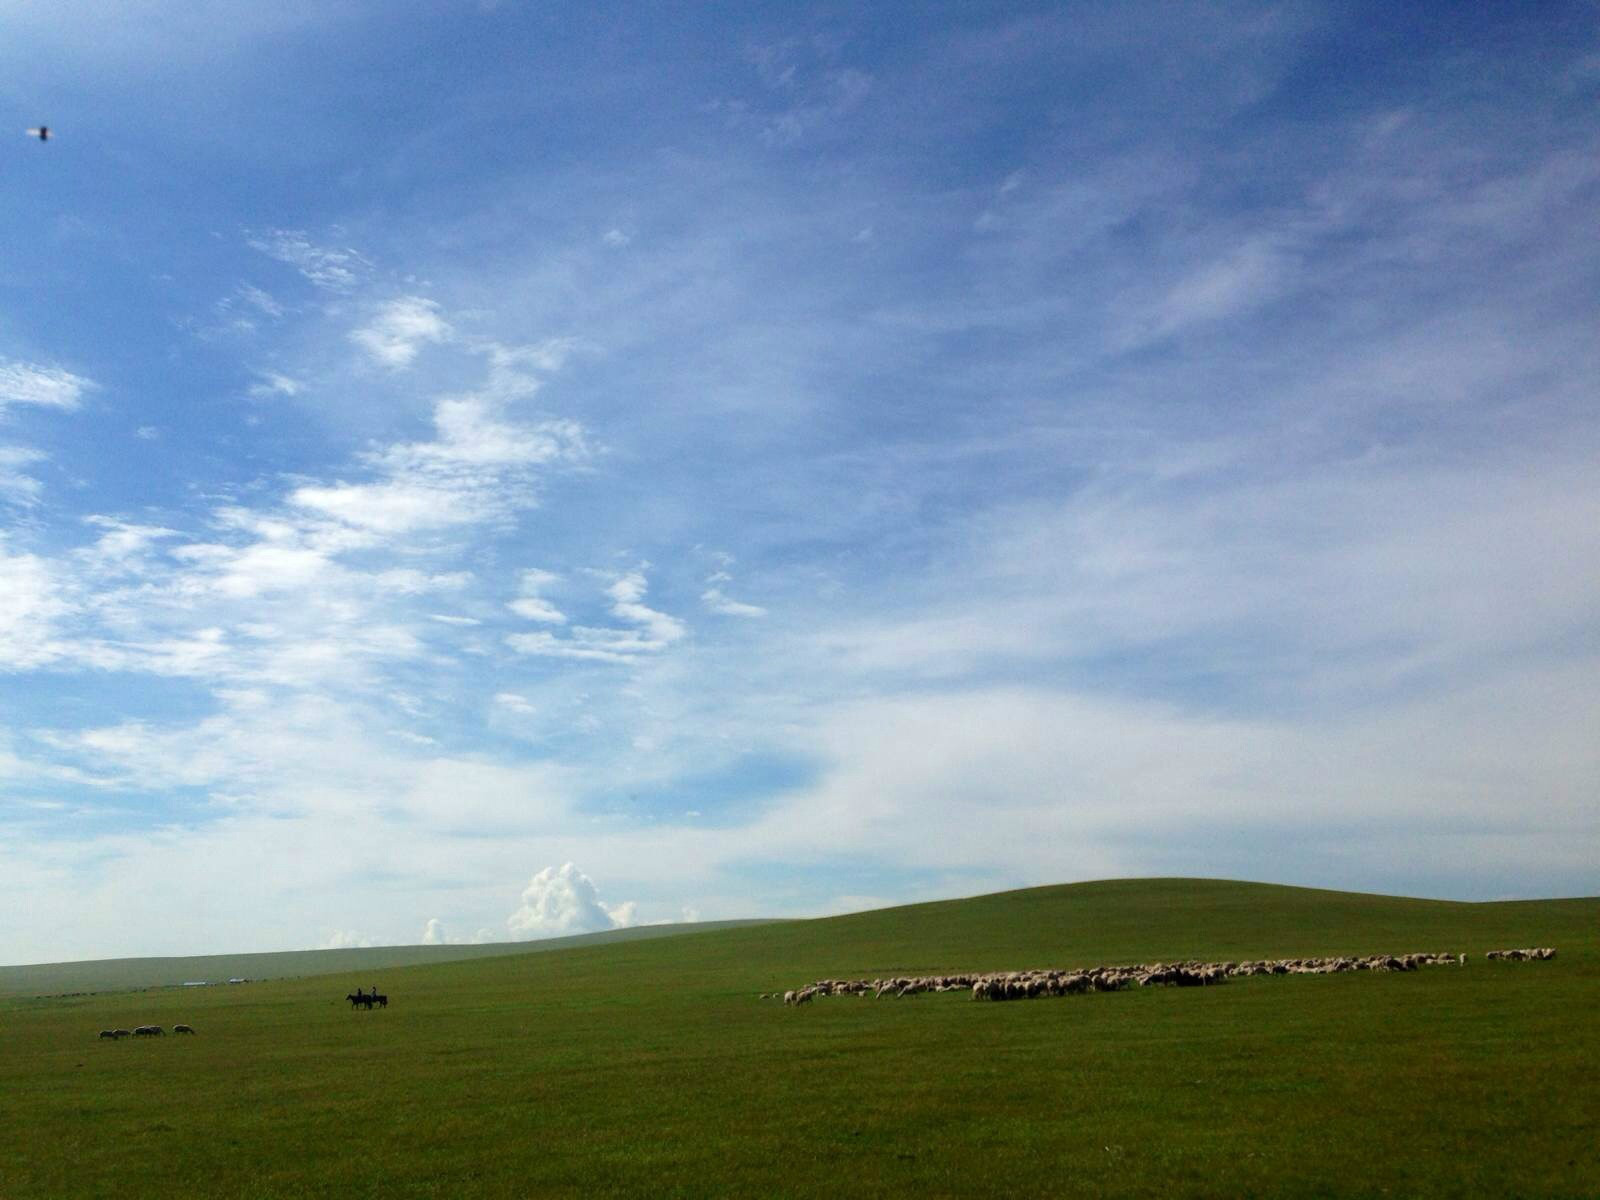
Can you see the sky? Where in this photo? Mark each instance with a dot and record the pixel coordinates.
(479, 471)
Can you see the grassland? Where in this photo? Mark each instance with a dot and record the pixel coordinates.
(650, 1068)
(126, 974)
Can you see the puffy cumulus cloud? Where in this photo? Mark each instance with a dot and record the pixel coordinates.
(345, 939)
(434, 934)
(47, 387)
(563, 900)
(399, 331)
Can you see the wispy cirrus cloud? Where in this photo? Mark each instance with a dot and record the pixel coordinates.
(646, 632)
(726, 606)
(16, 485)
(530, 605)
(316, 584)
(32, 600)
(333, 269)
(45, 387)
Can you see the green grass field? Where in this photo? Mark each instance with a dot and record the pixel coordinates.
(649, 1067)
(125, 974)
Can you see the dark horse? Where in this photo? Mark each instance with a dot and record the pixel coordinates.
(366, 1000)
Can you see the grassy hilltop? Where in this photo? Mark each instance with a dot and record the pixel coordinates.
(649, 1067)
(126, 974)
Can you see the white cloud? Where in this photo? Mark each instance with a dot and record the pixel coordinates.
(309, 591)
(655, 631)
(335, 270)
(476, 469)
(1242, 279)
(16, 485)
(264, 568)
(407, 581)
(345, 939)
(123, 544)
(275, 384)
(627, 594)
(31, 600)
(472, 433)
(717, 602)
(434, 934)
(532, 606)
(563, 900)
(260, 300)
(48, 387)
(395, 506)
(400, 330)
(584, 645)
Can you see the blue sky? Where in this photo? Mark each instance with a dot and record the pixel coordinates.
(486, 470)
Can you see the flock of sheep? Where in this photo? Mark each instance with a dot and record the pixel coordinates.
(1025, 985)
(143, 1031)
(1532, 952)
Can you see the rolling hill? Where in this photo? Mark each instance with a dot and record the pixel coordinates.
(650, 1066)
(124, 974)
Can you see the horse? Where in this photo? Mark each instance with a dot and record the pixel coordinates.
(359, 999)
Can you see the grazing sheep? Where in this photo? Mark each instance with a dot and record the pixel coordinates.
(183, 1029)
(1539, 953)
(1016, 985)
(109, 1033)
(149, 1031)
